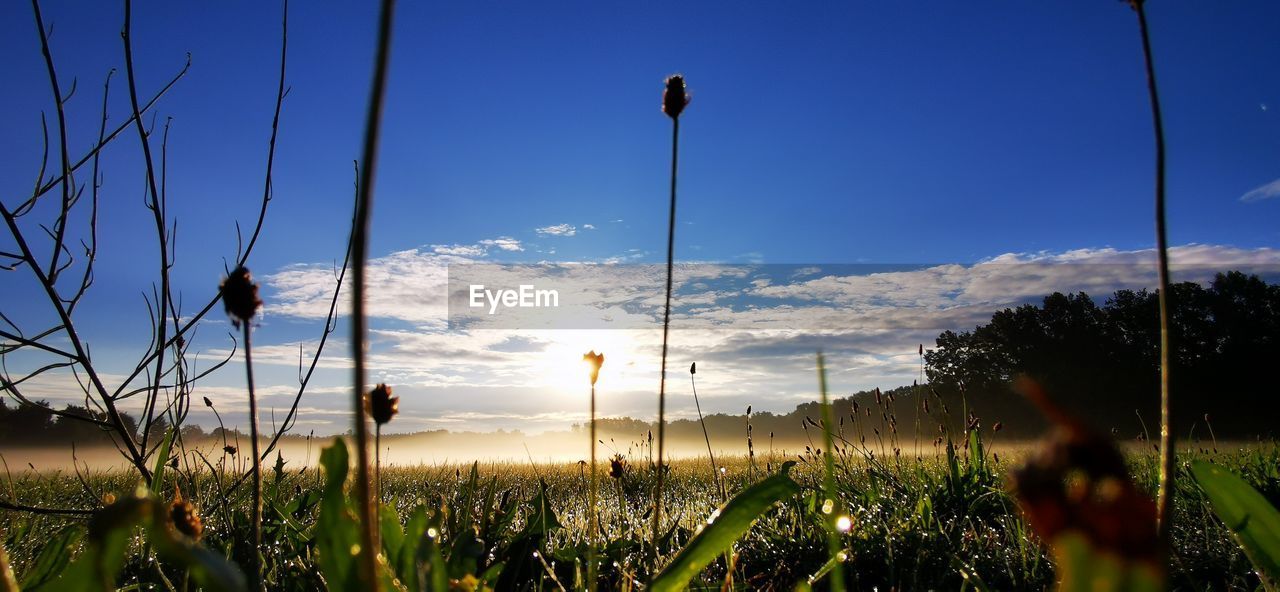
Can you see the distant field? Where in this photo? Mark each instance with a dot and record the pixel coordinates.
(913, 525)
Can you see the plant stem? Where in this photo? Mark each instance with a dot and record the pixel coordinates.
(1164, 502)
(829, 484)
(593, 524)
(715, 473)
(359, 251)
(377, 463)
(666, 326)
(259, 582)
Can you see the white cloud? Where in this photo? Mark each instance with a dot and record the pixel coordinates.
(504, 243)
(557, 230)
(752, 334)
(588, 227)
(460, 250)
(1267, 191)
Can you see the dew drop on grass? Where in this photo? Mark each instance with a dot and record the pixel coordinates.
(843, 524)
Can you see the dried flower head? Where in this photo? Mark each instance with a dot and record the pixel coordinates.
(674, 98)
(185, 518)
(240, 296)
(229, 449)
(693, 368)
(596, 360)
(1078, 482)
(382, 406)
(617, 466)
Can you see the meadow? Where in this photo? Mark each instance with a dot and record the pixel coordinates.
(941, 522)
(851, 510)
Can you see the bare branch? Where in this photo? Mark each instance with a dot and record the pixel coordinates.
(47, 187)
(7, 505)
(24, 342)
(59, 101)
(91, 250)
(303, 379)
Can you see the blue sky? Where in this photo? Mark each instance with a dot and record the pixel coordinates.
(819, 132)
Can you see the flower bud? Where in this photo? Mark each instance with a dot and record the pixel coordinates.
(674, 98)
(240, 296)
(596, 360)
(383, 406)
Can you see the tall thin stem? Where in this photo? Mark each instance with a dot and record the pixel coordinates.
(593, 518)
(829, 484)
(360, 248)
(377, 463)
(715, 472)
(666, 326)
(259, 582)
(1164, 503)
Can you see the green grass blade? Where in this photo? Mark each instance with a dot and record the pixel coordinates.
(1252, 521)
(337, 535)
(110, 533)
(162, 461)
(826, 568)
(834, 551)
(415, 530)
(7, 582)
(53, 558)
(734, 520)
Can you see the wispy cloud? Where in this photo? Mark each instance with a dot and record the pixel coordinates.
(460, 250)
(754, 334)
(504, 243)
(557, 230)
(1267, 191)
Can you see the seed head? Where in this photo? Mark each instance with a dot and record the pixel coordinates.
(693, 368)
(596, 360)
(229, 449)
(617, 466)
(185, 518)
(240, 296)
(383, 406)
(674, 99)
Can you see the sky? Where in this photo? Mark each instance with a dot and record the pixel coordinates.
(965, 146)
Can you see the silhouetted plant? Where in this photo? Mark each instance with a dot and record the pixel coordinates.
(240, 298)
(382, 408)
(715, 473)
(594, 361)
(1167, 439)
(368, 563)
(674, 100)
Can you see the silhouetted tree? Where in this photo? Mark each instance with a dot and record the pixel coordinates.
(1103, 362)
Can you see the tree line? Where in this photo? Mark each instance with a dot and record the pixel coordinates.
(1102, 362)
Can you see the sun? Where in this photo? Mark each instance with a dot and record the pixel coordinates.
(567, 372)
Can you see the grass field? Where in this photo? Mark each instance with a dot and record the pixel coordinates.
(913, 524)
